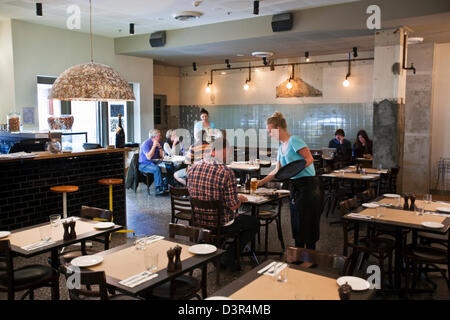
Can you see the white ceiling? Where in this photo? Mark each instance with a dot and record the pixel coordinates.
(110, 16)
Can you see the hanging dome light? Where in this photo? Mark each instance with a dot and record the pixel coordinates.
(91, 81)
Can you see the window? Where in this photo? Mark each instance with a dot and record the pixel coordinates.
(114, 108)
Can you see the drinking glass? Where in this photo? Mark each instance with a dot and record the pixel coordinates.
(380, 167)
(428, 198)
(419, 209)
(140, 243)
(151, 261)
(379, 212)
(45, 232)
(281, 275)
(398, 201)
(253, 185)
(55, 220)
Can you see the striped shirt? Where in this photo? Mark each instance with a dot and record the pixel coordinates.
(197, 152)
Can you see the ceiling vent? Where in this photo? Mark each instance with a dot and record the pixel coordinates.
(262, 54)
(187, 15)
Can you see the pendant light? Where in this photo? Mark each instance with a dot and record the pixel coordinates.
(248, 81)
(291, 77)
(346, 83)
(91, 81)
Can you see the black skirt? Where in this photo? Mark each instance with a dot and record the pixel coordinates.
(307, 197)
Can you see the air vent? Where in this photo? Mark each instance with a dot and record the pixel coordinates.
(262, 54)
(415, 40)
(187, 15)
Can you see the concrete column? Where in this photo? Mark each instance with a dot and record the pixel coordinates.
(419, 100)
(389, 84)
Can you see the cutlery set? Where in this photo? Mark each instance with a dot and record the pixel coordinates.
(37, 245)
(138, 279)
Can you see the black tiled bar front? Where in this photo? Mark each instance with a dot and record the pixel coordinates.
(26, 199)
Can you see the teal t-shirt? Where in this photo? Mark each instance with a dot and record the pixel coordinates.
(295, 144)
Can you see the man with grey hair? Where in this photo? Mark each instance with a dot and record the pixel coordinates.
(150, 151)
(210, 179)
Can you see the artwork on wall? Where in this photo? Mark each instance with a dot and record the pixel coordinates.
(28, 115)
(299, 88)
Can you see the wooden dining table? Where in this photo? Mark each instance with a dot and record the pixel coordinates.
(124, 261)
(394, 216)
(303, 283)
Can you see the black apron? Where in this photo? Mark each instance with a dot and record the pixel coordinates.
(306, 195)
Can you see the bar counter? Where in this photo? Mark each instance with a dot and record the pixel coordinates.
(25, 196)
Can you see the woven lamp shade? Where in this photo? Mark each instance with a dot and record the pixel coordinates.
(91, 82)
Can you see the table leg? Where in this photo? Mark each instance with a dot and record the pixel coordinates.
(398, 258)
(55, 259)
(253, 246)
(204, 280)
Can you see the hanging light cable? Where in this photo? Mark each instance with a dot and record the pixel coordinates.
(91, 81)
(247, 82)
(346, 83)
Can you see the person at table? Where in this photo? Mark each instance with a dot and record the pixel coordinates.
(306, 194)
(211, 179)
(204, 124)
(363, 145)
(343, 147)
(171, 145)
(149, 154)
(194, 154)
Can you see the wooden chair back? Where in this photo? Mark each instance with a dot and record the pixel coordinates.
(194, 234)
(210, 211)
(367, 195)
(348, 205)
(6, 268)
(95, 213)
(180, 204)
(317, 259)
(75, 276)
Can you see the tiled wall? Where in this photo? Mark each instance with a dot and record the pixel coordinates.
(315, 123)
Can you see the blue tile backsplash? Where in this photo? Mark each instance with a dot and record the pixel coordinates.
(314, 123)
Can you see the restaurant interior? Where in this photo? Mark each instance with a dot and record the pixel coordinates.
(224, 150)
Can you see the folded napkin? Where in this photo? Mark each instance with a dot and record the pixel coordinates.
(152, 239)
(442, 202)
(328, 175)
(70, 219)
(138, 279)
(437, 214)
(266, 268)
(274, 270)
(359, 216)
(37, 245)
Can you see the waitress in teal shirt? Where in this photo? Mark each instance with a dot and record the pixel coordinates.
(306, 195)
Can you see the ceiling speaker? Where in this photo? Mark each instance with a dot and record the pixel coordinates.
(282, 22)
(158, 39)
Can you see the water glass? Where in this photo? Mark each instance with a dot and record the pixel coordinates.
(428, 198)
(151, 261)
(140, 243)
(419, 209)
(45, 233)
(55, 220)
(379, 212)
(380, 167)
(281, 275)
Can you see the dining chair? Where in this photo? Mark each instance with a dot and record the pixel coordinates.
(29, 278)
(144, 177)
(184, 287)
(312, 258)
(86, 281)
(208, 214)
(180, 204)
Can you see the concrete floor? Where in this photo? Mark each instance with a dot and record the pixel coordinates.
(148, 215)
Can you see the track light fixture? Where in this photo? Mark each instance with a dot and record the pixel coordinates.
(265, 61)
(194, 66)
(39, 9)
(355, 52)
(307, 56)
(228, 63)
(256, 7)
(131, 28)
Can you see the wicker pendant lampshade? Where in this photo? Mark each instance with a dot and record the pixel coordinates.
(91, 82)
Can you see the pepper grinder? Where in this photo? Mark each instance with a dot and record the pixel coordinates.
(66, 226)
(177, 250)
(406, 204)
(413, 199)
(345, 291)
(357, 168)
(171, 264)
(73, 234)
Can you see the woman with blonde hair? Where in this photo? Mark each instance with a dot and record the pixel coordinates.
(306, 195)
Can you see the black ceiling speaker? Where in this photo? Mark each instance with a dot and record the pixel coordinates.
(282, 22)
(158, 39)
(131, 28)
(39, 9)
(256, 7)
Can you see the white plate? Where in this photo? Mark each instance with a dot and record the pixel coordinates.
(370, 205)
(202, 249)
(391, 195)
(443, 209)
(4, 234)
(357, 284)
(434, 225)
(218, 298)
(104, 225)
(87, 261)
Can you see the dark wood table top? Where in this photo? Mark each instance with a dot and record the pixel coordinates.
(252, 275)
(187, 265)
(61, 243)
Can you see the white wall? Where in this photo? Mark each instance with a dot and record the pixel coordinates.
(228, 88)
(42, 50)
(441, 104)
(166, 82)
(7, 98)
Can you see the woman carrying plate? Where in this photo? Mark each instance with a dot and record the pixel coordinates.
(306, 195)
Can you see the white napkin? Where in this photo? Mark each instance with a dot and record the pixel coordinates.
(37, 245)
(152, 239)
(270, 265)
(137, 279)
(442, 202)
(70, 219)
(328, 175)
(278, 267)
(437, 214)
(360, 216)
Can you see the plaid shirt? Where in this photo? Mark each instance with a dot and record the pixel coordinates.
(210, 179)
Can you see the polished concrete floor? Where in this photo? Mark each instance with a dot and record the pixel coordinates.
(147, 214)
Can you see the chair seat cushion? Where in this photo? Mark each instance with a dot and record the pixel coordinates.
(186, 287)
(25, 276)
(427, 254)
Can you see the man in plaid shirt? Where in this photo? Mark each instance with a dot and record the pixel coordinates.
(211, 179)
